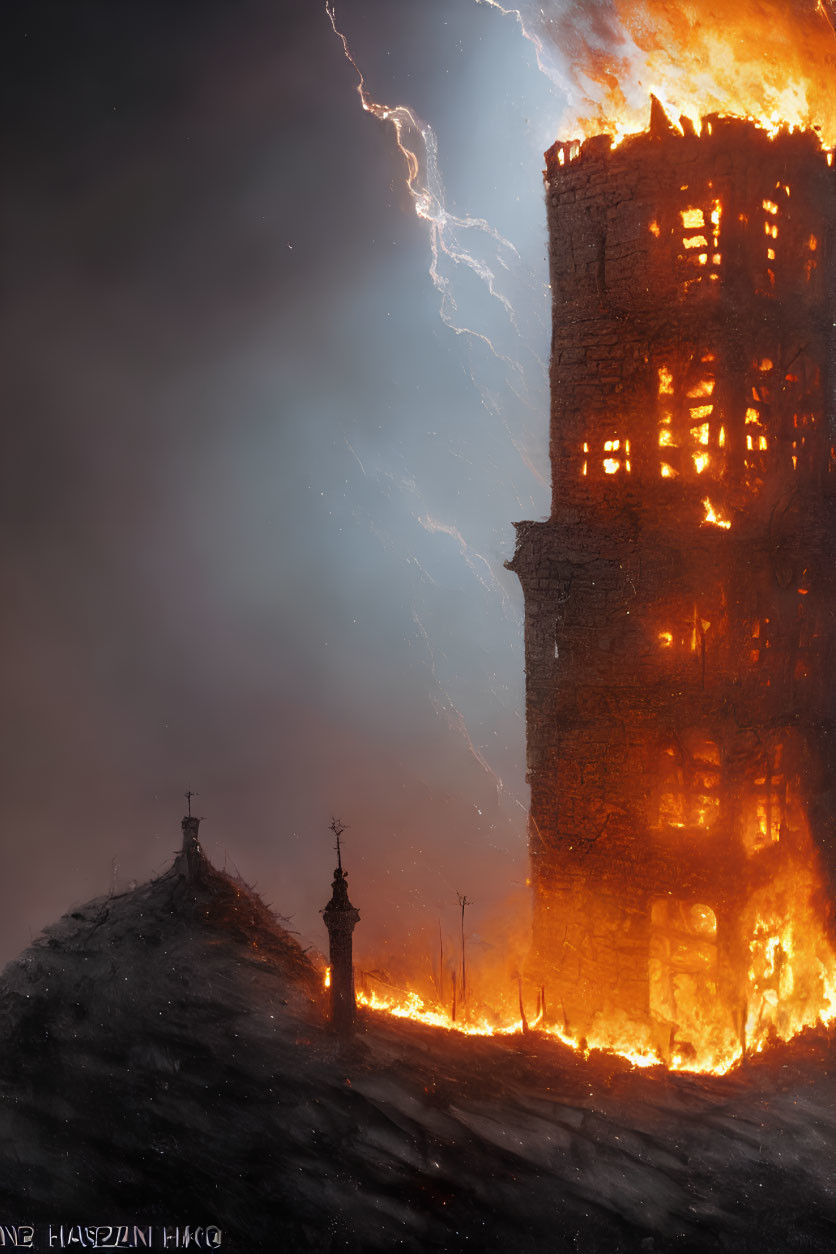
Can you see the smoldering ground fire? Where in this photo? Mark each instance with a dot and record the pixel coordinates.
(679, 600)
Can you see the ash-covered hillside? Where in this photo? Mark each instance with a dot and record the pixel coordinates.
(165, 1060)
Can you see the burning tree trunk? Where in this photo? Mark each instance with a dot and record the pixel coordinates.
(680, 600)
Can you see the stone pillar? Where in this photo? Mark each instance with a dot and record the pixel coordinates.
(191, 854)
(340, 919)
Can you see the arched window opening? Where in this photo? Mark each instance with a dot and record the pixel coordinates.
(682, 971)
(689, 782)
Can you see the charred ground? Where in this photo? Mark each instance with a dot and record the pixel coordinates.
(164, 1059)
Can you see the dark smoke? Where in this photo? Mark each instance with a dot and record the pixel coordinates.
(255, 510)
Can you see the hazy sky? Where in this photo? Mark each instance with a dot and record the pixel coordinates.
(256, 494)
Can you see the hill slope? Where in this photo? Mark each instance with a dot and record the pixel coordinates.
(164, 1059)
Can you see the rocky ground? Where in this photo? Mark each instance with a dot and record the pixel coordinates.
(164, 1061)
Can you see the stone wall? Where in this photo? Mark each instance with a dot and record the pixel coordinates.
(680, 601)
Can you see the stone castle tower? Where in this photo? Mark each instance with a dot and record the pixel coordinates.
(679, 602)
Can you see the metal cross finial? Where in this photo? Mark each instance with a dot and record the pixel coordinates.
(189, 796)
(338, 828)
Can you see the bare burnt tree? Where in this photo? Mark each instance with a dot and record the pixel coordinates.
(463, 903)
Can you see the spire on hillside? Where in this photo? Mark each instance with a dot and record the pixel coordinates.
(191, 852)
(341, 918)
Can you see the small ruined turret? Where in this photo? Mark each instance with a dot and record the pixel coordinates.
(190, 860)
(191, 852)
(341, 918)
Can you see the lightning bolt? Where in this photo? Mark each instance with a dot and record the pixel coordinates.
(479, 566)
(418, 146)
(504, 367)
(451, 714)
(454, 245)
(545, 63)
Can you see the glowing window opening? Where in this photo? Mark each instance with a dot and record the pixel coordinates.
(609, 464)
(689, 784)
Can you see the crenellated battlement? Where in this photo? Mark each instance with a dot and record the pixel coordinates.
(691, 278)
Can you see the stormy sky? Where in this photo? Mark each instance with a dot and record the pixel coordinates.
(256, 494)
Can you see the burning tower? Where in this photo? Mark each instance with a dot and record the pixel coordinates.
(680, 599)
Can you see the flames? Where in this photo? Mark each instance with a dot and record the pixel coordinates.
(790, 986)
(792, 972)
(408, 1004)
(712, 517)
(792, 983)
(773, 61)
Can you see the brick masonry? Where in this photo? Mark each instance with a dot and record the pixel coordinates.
(679, 673)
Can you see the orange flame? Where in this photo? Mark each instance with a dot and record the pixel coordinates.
(770, 60)
(711, 516)
(790, 984)
(410, 1005)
